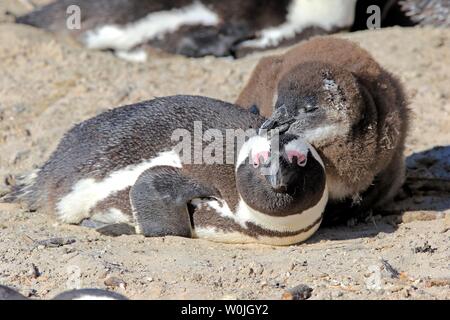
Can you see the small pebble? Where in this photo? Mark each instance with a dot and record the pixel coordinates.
(406, 293)
(55, 242)
(10, 180)
(425, 248)
(390, 269)
(197, 277)
(300, 292)
(31, 293)
(338, 294)
(115, 282)
(34, 271)
(440, 282)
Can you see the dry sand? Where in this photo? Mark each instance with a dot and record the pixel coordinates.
(48, 84)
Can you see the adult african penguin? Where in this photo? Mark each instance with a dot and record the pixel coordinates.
(194, 28)
(280, 190)
(175, 166)
(337, 97)
(198, 28)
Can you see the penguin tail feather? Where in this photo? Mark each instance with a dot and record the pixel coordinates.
(14, 195)
(21, 190)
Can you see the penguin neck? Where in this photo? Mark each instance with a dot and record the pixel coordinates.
(245, 214)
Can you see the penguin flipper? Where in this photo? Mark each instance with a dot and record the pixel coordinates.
(160, 198)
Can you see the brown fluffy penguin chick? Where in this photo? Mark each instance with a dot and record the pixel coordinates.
(335, 95)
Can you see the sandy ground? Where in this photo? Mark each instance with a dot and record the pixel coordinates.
(49, 84)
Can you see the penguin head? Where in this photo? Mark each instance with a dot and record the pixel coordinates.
(89, 294)
(280, 175)
(317, 101)
(7, 293)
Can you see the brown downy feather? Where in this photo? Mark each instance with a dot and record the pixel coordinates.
(365, 164)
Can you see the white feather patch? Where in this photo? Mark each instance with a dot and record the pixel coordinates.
(132, 56)
(326, 14)
(289, 223)
(302, 146)
(252, 146)
(324, 134)
(111, 216)
(299, 145)
(86, 193)
(154, 25)
(244, 214)
(214, 234)
(91, 297)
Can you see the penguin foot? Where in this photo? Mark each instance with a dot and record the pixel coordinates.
(117, 229)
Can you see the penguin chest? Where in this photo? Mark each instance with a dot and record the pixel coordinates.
(215, 220)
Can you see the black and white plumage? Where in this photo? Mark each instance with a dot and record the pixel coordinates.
(89, 294)
(7, 293)
(199, 28)
(428, 12)
(195, 28)
(123, 167)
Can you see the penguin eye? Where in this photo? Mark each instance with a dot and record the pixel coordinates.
(309, 103)
(298, 156)
(310, 108)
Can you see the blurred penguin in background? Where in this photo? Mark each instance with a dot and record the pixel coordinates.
(195, 28)
(198, 28)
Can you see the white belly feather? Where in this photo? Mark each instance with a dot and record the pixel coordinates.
(244, 214)
(86, 193)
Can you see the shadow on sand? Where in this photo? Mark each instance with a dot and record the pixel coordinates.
(427, 188)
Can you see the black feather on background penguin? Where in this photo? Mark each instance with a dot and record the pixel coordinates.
(427, 12)
(7, 293)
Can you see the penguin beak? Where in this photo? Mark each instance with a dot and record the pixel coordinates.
(282, 173)
(278, 177)
(277, 183)
(279, 120)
